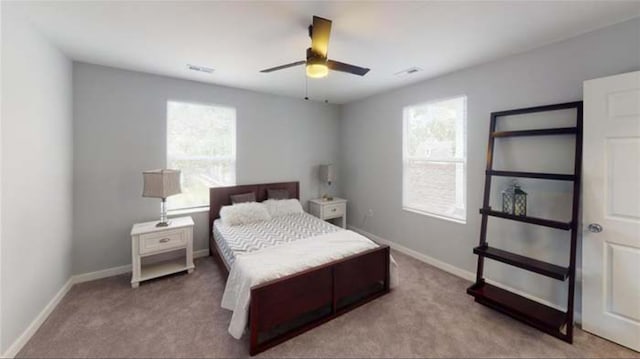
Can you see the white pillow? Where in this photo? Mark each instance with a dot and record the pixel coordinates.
(243, 213)
(283, 207)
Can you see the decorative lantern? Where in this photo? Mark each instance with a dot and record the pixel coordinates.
(514, 200)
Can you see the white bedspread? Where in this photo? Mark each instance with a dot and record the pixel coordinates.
(258, 267)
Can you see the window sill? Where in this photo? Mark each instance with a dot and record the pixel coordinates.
(183, 211)
(424, 213)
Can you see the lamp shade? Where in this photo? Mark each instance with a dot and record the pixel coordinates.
(327, 173)
(161, 183)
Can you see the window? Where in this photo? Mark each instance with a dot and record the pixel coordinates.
(434, 159)
(201, 142)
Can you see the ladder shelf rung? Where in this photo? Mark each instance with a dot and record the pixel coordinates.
(530, 264)
(545, 318)
(540, 175)
(526, 219)
(540, 132)
(535, 109)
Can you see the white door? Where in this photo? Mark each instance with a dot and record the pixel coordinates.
(611, 209)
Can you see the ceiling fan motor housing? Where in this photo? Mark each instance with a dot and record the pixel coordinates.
(315, 58)
(316, 66)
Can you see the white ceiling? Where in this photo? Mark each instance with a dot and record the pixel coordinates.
(240, 38)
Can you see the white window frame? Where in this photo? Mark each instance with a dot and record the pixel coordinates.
(233, 157)
(463, 161)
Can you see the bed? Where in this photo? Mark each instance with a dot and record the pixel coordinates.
(286, 306)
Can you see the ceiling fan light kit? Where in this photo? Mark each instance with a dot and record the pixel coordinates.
(317, 63)
(317, 71)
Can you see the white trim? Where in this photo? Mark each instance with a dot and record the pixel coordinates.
(19, 343)
(110, 272)
(435, 215)
(201, 253)
(459, 272)
(436, 160)
(183, 211)
(104, 273)
(419, 256)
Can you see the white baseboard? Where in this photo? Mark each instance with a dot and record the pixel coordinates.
(459, 272)
(104, 273)
(201, 253)
(110, 272)
(419, 256)
(17, 345)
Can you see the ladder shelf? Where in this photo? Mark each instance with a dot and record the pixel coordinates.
(545, 318)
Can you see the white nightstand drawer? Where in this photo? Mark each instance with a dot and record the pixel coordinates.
(161, 241)
(334, 210)
(329, 209)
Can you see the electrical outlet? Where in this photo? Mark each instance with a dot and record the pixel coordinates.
(370, 213)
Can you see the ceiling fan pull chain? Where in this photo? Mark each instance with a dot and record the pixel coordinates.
(306, 88)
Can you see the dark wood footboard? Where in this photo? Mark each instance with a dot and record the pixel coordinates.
(286, 307)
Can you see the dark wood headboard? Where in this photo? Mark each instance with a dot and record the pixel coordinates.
(219, 196)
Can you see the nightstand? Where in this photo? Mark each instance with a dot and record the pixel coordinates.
(148, 240)
(324, 209)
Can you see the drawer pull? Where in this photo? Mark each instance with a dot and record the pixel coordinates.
(164, 240)
(333, 209)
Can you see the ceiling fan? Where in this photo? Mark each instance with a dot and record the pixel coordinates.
(317, 63)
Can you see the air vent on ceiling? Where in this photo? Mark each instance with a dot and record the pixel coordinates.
(409, 71)
(207, 70)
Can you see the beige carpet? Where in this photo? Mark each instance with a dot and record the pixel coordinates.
(429, 315)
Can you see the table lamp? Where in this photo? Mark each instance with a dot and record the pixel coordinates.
(327, 175)
(161, 184)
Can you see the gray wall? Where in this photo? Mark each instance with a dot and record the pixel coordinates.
(36, 174)
(371, 152)
(120, 130)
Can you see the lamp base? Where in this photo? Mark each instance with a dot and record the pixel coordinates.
(164, 222)
(326, 197)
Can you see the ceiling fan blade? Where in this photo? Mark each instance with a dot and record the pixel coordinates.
(320, 36)
(352, 69)
(284, 66)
